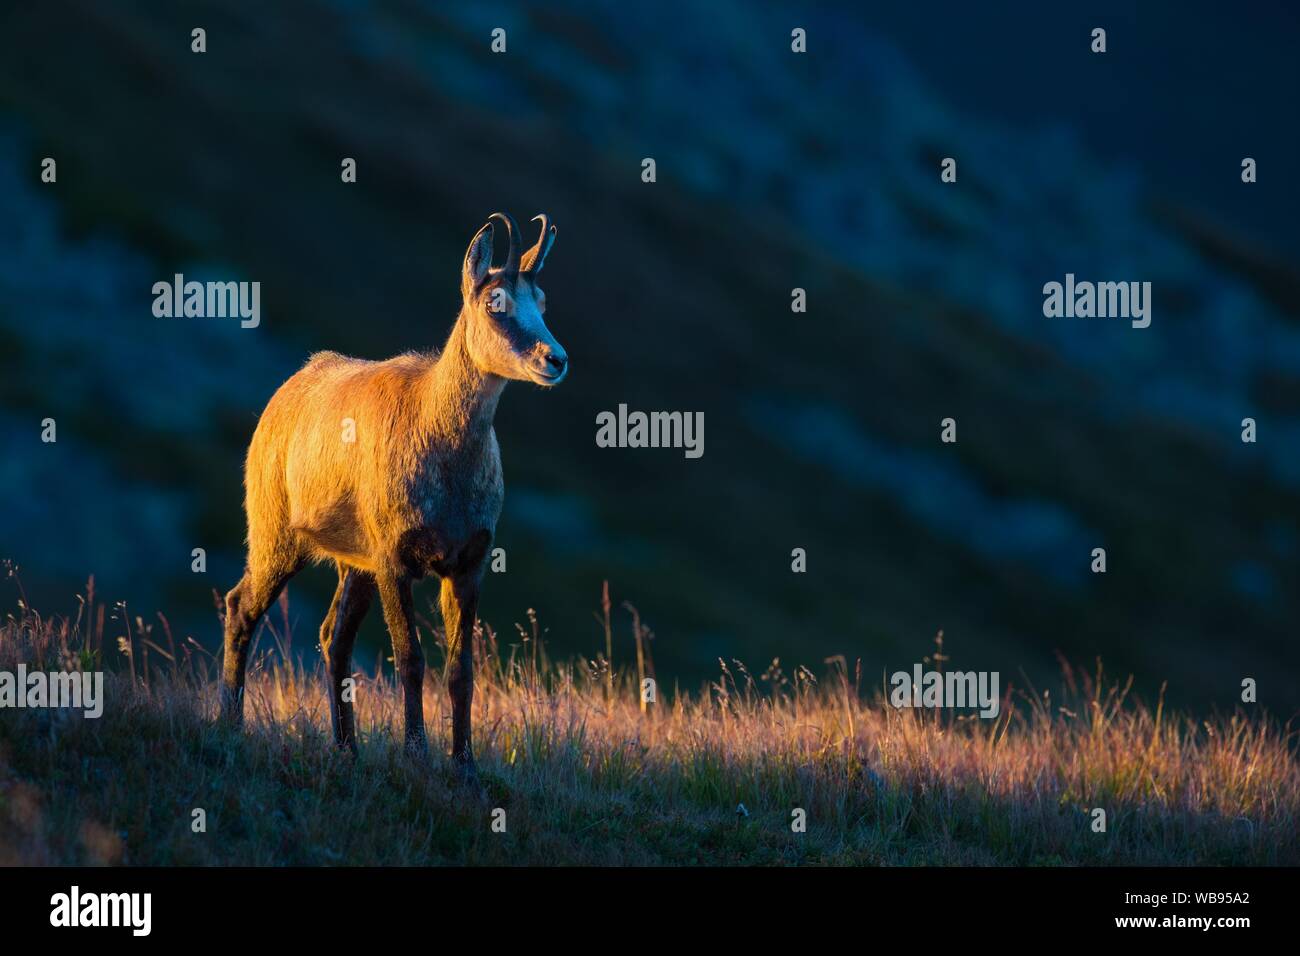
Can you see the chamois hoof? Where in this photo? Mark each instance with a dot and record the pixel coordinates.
(232, 708)
(467, 773)
(417, 748)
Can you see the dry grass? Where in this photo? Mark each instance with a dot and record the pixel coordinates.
(586, 777)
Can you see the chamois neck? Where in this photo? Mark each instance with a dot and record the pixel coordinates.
(461, 399)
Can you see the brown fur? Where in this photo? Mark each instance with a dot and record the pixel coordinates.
(417, 490)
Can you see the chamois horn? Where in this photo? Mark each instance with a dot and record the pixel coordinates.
(536, 256)
(511, 269)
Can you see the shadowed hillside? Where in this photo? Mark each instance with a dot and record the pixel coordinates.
(821, 428)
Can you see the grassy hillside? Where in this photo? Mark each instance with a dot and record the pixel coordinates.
(585, 777)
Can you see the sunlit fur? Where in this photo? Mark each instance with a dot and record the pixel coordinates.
(391, 470)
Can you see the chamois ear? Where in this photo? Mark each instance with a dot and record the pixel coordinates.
(478, 259)
(535, 257)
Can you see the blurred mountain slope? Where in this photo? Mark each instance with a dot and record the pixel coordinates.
(821, 429)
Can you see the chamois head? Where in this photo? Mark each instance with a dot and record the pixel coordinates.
(503, 310)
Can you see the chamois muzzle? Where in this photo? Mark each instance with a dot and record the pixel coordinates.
(550, 366)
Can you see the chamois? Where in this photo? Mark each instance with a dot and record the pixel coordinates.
(392, 471)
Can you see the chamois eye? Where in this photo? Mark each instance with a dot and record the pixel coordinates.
(499, 303)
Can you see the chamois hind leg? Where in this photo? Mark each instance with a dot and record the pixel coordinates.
(395, 595)
(245, 605)
(337, 636)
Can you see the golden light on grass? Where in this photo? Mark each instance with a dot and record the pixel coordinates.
(591, 773)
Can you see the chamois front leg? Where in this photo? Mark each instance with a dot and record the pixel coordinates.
(395, 594)
(459, 599)
(245, 605)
